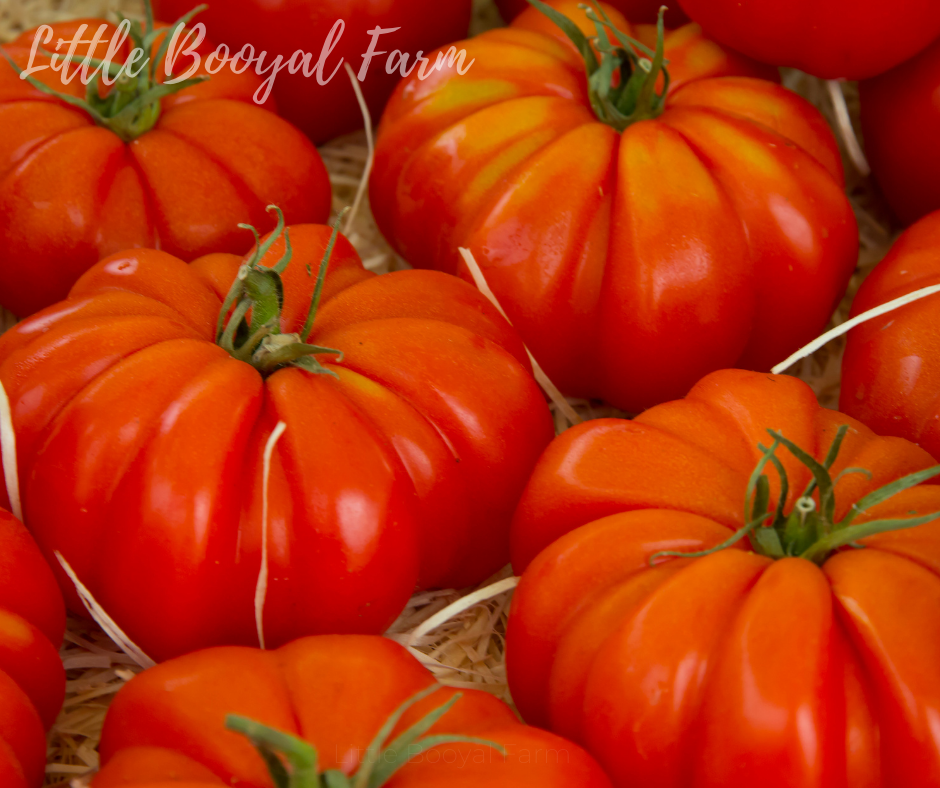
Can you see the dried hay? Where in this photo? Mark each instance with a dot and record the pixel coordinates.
(467, 650)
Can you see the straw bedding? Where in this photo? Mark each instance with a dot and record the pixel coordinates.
(468, 649)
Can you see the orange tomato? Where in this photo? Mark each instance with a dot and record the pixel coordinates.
(632, 261)
(167, 725)
(32, 680)
(789, 660)
(73, 192)
(141, 445)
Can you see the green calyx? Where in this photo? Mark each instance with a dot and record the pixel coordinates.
(634, 98)
(133, 104)
(259, 290)
(810, 530)
(294, 763)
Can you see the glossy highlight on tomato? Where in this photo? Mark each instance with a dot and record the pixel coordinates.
(141, 445)
(167, 725)
(731, 667)
(714, 234)
(73, 192)
(32, 679)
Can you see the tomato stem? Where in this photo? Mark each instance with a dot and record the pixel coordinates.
(379, 763)
(133, 105)
(810, 531)
(259, 289)
(632, 98)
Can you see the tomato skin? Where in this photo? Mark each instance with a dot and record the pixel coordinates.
(326, 111)
(72, 193)
(640, 11)
(334, 691)
(832, 39)
(405, 468)
(632, 263)
(730, 669)
(32, 679)
(891, 367)
(900, 123)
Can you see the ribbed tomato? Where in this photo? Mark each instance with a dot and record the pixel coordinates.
(685, 639)
(635, 253)
(168, 725)
(891, 368)
(142, 426)
(79, 184)
(32, 680)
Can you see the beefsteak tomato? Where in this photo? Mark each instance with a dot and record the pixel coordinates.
(32, 680)
(651, 631)
(891, 368)
(633, 255)
(132, 169)
(343, 694)
(901, 123)
(832, 39)
(142, 419)
(638, 11)
(324, 111)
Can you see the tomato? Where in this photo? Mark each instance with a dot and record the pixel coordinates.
(787, 660)
(832, 39)
(335, 692)
(282, 28)
(141, 442)
(32, 680)
(901, 122)
(631, 262)
(73, 192)
(642, 11)
(891, 368)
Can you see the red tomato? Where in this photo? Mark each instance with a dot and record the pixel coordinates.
(32, 680)
(141, 441)
(891, 369)
(792, 660)
(282, 28)
(336, 692)
(73, 192)
(901, 125)
(631, 262)
(642, 11)
(832, 39)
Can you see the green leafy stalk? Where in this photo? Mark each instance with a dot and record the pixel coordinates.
(622, 84)
(272, 745)
(292, 762)
(809, 531)
(321, 278)
(259, 289)
(133, 105)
